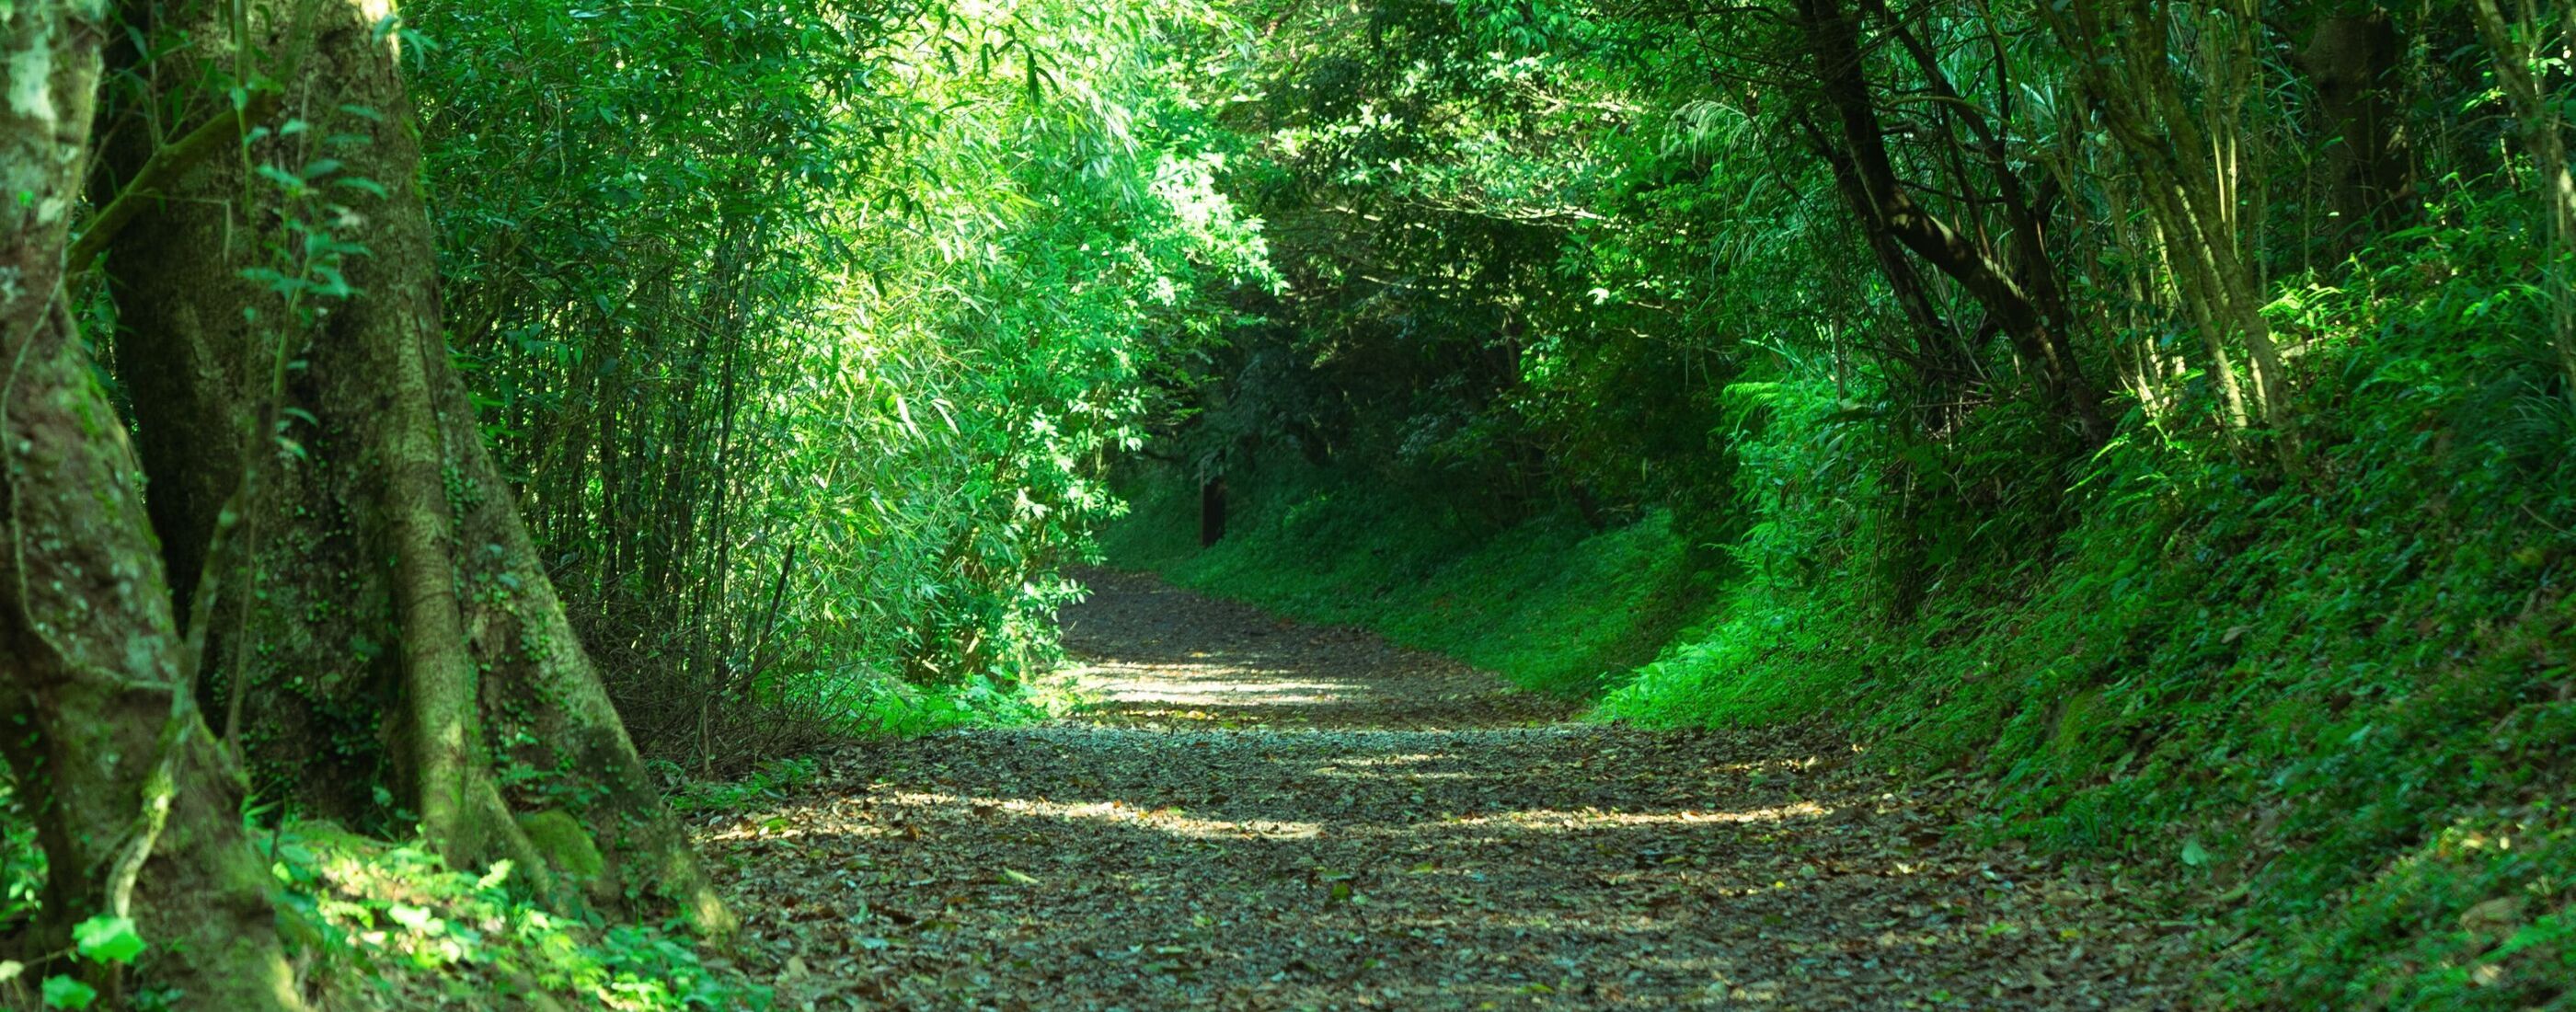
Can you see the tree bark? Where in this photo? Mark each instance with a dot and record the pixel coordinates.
(2350, 59)
(2127, 73)
(1211, 512)
(404, 632)
(1833, 39)
(132, 801)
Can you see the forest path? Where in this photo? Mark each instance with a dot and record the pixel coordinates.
(1263, 815)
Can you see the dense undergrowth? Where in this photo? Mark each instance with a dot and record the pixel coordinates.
(389, 925)
(2159, 416)
(799, 324)
(2343, 696)
(1552, 604)
(392, 926)
(2335, 706)
(794, 332)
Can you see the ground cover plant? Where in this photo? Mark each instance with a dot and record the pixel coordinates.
(551, 503)
(2155, 413)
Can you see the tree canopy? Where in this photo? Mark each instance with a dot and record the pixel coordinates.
(439, 435)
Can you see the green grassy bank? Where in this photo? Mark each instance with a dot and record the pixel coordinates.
(1552, 604)
(2336, 705)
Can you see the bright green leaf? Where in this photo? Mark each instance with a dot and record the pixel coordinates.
(64, 992)
(107, 939)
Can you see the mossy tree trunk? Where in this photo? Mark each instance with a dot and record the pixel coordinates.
(396, 627)
(133, 801)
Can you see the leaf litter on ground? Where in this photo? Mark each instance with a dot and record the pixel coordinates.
(1255, 814)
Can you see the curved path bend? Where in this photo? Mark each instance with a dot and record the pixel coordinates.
(1257, 814)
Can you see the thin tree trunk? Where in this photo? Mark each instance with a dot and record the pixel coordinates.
(2547, 145)
(1833, 37)
(2126, 68)
(2194, 283)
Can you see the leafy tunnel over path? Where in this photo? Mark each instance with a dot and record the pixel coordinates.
(430, 430)
(1260, 814)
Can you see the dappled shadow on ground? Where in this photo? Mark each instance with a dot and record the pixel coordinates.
(1228, 829)
(1157, 655)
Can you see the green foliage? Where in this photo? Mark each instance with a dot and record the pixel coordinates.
(1579, 341)
(770, 780)
(22, 859)
(106, 939)
(391, 926)
(2340, 693)
(2288, 633)
(1548, 603)
(65, 992)
(807, 325)
(2338, 699)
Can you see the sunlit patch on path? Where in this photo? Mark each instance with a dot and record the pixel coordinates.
(1260, 815)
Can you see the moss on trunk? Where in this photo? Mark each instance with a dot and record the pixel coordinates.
(402, 627)
(133, 803)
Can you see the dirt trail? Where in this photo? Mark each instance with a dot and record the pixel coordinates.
(1263, 815)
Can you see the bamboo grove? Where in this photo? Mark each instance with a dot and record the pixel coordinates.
(438, 432)
(529, 402)
(804, 403)
(2159, 409)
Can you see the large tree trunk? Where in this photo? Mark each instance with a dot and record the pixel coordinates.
(401, 630)
(2351, 59)
(132, 800)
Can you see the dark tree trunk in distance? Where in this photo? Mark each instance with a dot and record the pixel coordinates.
(2352, 61)
(1211, 512)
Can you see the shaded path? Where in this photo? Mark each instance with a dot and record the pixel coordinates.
(1261, 815)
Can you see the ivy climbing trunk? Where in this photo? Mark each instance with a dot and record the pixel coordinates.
(132, 800)
(395, 627)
